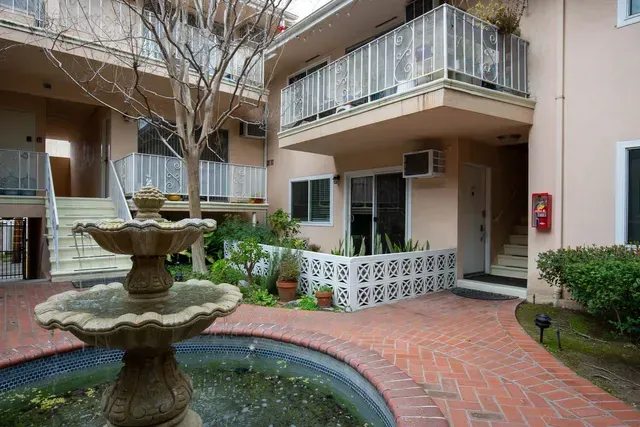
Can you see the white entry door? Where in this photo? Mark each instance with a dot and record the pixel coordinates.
(17, 130)
(474, 213)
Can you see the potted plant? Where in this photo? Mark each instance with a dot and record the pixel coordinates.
(288, 274)
(324, 294)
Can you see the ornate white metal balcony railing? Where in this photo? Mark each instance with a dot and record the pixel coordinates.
(169, 174)
(409, 56)
(368, 281)
(22, 173)
(111, 23)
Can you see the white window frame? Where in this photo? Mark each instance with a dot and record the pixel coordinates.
(331, 205)
(624, 16)
(622, 188)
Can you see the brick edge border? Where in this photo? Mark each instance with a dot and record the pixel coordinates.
(409, 403)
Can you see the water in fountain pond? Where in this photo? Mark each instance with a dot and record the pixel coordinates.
(230, 390)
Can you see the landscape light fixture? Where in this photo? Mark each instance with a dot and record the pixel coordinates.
(543, 322)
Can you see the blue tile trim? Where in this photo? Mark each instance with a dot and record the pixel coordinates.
(48, 367)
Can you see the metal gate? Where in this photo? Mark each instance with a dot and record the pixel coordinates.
(13, 257)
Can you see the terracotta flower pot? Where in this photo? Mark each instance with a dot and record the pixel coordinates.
(174, 197)
(287, 291)
(324, 299)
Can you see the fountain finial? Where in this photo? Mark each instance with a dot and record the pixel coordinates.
(149, 201)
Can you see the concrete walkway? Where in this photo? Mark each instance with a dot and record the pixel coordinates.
(472, 357)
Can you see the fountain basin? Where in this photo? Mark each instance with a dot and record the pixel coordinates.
(106, 316)
(145, 238)
(239, 381)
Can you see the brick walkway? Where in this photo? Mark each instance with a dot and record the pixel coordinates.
(471, 356)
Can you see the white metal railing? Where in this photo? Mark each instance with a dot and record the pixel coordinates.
(54, 223)
(169, 175)
(22, 173)
(368, 281)
(116, 194)
(411, 55)
(112, 24)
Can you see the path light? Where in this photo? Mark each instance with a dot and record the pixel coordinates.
(543, 322)
(179, 276)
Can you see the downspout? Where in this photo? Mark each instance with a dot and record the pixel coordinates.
(560, 136)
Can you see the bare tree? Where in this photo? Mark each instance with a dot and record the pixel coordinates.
(116, 52)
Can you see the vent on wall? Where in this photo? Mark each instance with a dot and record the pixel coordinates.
(423, 164)
(252, 130)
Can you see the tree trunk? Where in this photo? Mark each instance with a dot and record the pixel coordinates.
(195, 211)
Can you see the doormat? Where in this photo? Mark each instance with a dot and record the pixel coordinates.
(89, 283)
(487, 296)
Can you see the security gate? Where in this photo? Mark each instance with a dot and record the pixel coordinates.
(13, 257)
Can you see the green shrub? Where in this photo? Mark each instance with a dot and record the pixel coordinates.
(260, 296)
(235, 228)
(325, 288)
(308, 302)
(289, 270)
(272, 273)
(223, 271)
(283, 226)
(247, 255)
(552, 264)
(608, 287)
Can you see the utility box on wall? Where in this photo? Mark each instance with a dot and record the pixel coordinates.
(541, 211)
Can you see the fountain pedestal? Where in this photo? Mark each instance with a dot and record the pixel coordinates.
(150, 391)
(148, 277)
(144, 317)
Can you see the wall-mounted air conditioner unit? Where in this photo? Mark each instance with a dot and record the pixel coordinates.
(423, 164)
(252, 130)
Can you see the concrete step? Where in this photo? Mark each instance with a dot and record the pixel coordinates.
(71, 275)
(88, 251)
(96, 263)
(505, 271)
(82, 201)
(521, 230)
(517, 250)
(491, 287)
(516, 239)
(68, 221)
(513, 261)
(70, 241)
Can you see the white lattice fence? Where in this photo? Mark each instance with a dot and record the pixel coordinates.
(363, 282)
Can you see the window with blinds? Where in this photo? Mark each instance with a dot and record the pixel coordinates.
(150, 142)
(311, 200)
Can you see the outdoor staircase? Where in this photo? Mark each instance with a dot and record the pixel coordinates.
(79, 256)
(512, 258)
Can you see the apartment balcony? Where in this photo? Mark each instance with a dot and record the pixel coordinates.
(444, 74)
(224, 187)
(109, 25)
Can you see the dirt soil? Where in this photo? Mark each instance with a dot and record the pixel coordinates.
(590, 347)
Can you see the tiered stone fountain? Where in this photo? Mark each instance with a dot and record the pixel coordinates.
(144, 316)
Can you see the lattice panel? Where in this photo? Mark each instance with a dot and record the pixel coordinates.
(362, 282)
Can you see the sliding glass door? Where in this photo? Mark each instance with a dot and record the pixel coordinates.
(377, 212)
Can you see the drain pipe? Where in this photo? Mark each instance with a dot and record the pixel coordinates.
(560, 135)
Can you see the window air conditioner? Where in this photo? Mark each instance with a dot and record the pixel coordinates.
(423, 164)
(252, 130)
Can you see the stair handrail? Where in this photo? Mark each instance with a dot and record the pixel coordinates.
(116, 193)
(53, 210)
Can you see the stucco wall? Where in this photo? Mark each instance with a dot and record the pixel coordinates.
(29, 104)
(601, 103)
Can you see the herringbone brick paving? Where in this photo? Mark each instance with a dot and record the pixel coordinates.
(472, 357)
